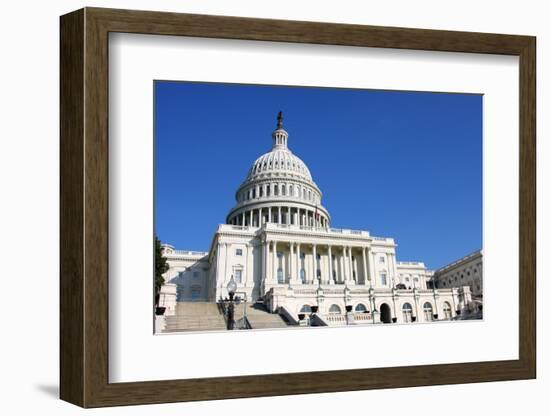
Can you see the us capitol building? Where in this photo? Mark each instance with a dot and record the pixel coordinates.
(294, 268)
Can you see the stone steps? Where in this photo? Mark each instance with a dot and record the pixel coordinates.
(195, 316)
(259, 318)
(206, 316)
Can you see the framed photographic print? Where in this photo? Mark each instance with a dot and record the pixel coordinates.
(260, 207)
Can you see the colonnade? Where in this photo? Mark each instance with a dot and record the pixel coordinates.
(307, 263)
(280, 215)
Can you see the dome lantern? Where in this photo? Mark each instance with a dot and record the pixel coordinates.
(280, 135)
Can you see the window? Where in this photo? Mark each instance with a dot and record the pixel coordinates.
(280, 254)
(381, 260)
(305, 309)
(447, 310)
(360, 308)
(334, 310)
(283, 190)
(180, 293)
(195, 293)
(303, 275)
(407, 312)
(195, 275)
(238, 276)
(276, 190)
(383, 279)
(280, 278)
(268, 190)
(428, 312)
(239, 252)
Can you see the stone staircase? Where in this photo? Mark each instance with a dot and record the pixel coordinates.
(195, 316)
(207, 316)
(258, 316)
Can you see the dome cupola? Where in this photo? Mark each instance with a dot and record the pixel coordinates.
(280, 135)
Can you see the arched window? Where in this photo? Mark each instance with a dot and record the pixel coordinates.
(275, 190)
(283, 190)
(360, 308)
(268, 190)
(303, 275)
(428, 312)
(407, 312)
(334, 310)
(305, 309)
(290, 190)
(447, 310)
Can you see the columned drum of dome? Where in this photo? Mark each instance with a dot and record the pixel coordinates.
(279, 189)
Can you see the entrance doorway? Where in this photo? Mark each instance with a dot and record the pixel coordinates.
(385, 313)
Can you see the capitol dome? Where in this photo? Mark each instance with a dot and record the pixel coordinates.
(279, 188)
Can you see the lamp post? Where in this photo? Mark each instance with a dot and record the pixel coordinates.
(231, 288)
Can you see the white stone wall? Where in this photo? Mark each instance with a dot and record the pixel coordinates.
(467, 271)
(189, 271)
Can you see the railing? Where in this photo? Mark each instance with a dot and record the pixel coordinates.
(189, 253)
(336, 319)
(362, 317)
(304, 291)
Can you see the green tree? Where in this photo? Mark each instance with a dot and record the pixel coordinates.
(161, 267)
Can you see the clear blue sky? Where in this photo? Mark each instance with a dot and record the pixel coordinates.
(406, 165)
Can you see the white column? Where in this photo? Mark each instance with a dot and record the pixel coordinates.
(265, 251)
(269, 214)
(342, 273)
(292, 263)
(249, 266)
(365, 273)
(226, 272)
(330, 264)
(275, 262)
(314, 249)
(219, 266)
(251, 218)
(242, 219)
(347, 271)
(279, 219)
(298, 261)
(372, 272)
(351, 264)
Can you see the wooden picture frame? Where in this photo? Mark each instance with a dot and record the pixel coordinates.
(84, 207)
